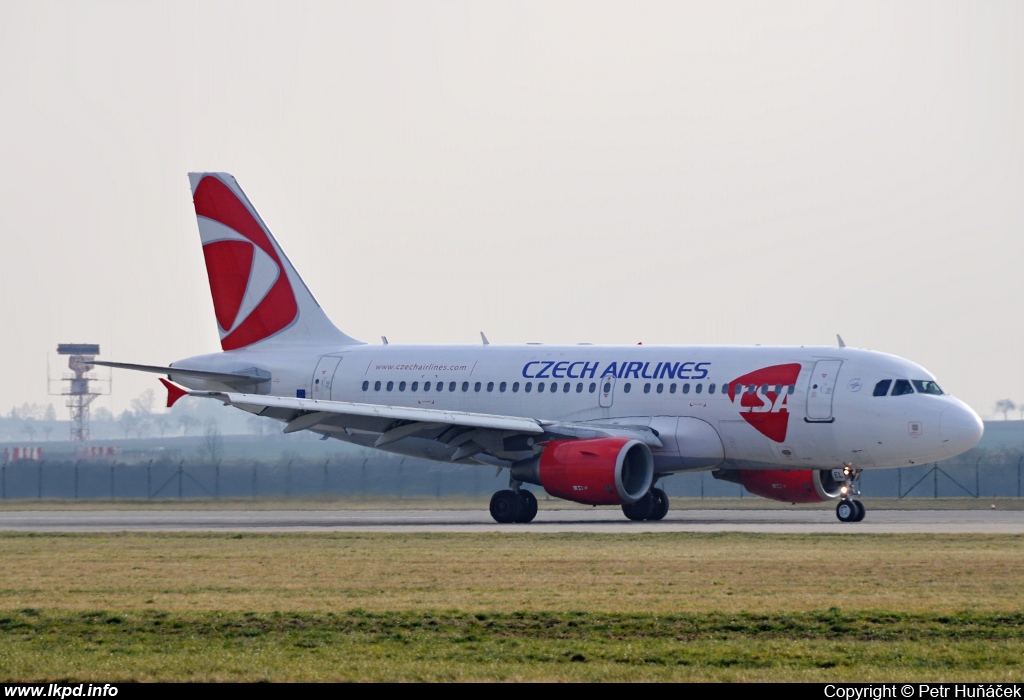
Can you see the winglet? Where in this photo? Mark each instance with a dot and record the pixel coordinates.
(484, 338)
(174, 392)
(840, 339)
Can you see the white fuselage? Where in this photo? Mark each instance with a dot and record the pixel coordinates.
(747, 407)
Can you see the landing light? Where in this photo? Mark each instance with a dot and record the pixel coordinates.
(843, 490)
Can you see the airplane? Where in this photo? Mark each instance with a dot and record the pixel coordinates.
(593, 424)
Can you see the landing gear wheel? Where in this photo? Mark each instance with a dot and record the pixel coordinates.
(506, 506)
(861, 511)
(846, 511)
(529, 503)
(660, 505)
(641, 509)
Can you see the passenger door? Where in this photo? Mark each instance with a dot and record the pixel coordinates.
(820, 389)
(323, 377)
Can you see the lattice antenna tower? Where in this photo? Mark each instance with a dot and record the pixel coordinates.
(80, 386)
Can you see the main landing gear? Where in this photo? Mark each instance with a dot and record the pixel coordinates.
(652, 506)
(850, 510)
(513, 506)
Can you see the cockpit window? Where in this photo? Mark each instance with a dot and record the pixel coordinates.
(882, 388)
(926, 386)
(901, 387)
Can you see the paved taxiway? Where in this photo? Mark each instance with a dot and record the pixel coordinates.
(598, 520)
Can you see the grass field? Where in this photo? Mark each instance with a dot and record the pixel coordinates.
(511, 606)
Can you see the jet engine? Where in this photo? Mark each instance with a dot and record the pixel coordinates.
(789, 485)
(597, 472)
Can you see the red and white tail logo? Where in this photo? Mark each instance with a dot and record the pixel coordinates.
(252, 296)
(257, 295)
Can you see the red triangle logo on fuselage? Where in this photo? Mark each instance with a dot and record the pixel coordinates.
(762, 397)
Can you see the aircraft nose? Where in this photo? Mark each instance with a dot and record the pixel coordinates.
(960, 428)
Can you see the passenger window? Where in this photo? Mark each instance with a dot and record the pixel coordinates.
(607, 387)
(626, 387)
(882, 388)
(490, 386)
(778, 390)
(476, 387)
(647, 388)
(725, 388)
(661, 388)
(366, 385)
(376, 386)
(415, 386)
(401, 386)
(528, 387)
(752, 389)
(391, 385)
(451, 386)
(426, 386)
(465, 386)
(565, 388)
(593, 387)
(515, 387)
(540, 387)
(579, 388)
(926, 386)
(697, 388)
(792, 388)
(686, 388)
(901, 387)
(764, 389)
(502, 387)
(672, 388)
(711, 388)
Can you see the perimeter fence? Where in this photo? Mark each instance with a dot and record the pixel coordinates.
(409, 477)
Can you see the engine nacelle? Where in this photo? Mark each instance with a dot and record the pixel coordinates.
(597, 472)
(789, 485)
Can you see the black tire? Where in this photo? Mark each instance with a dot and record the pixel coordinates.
(506, 506)
(529, 502)
(640, 510)
(861, 511)
(846, 511)
(660, 506)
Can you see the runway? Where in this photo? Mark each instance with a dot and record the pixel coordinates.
(547, 521)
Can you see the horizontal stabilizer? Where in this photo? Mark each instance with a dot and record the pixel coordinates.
(223, 377)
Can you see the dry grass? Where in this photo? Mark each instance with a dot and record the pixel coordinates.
(576, 607)
(492, 572)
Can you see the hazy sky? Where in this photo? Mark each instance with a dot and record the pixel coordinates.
(559, 172)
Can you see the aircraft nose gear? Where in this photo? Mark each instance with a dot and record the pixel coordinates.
(850, 510)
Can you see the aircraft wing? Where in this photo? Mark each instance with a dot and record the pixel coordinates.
(483, 437)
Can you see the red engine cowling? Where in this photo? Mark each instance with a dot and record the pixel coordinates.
(792, 486)
(597, 472)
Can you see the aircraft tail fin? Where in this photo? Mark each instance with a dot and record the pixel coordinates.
(258, 297)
